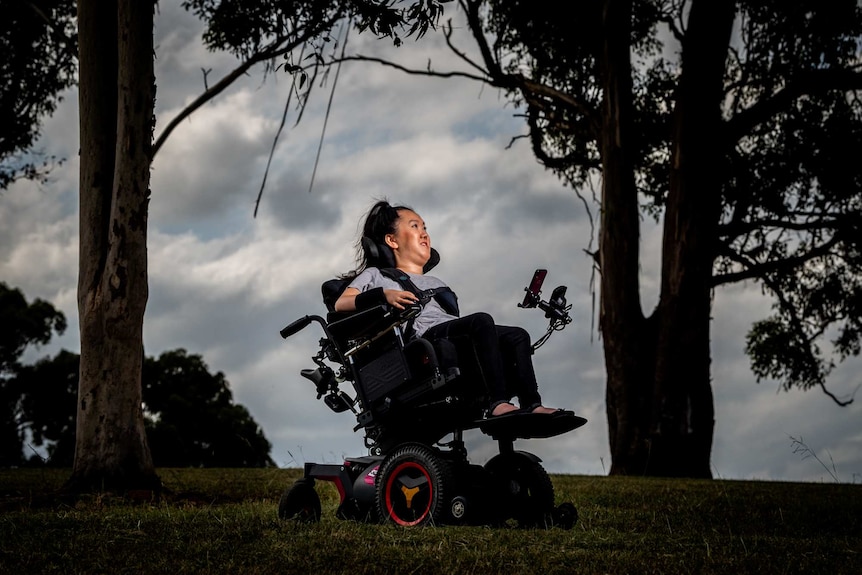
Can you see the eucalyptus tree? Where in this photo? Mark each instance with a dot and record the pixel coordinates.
(115, 102)
(737, 125)
(116, 106)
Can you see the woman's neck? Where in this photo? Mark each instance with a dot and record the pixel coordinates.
(410, 268)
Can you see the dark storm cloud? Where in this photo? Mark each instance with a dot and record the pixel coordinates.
(290, 203)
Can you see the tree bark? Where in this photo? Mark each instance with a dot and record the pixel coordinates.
(621, 319)
(659, 396)
(116, 98)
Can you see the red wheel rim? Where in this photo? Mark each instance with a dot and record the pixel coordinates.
(409, 494)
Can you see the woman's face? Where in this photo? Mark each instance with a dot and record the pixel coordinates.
(410, 243)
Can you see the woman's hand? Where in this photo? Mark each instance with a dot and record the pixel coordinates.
(396, 298)
(400, 299)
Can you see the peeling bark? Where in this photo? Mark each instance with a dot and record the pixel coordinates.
(116, 98)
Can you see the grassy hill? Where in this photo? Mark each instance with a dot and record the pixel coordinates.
(225, 521)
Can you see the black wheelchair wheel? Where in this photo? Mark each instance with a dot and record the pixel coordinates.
(565, 515)
(412, 487)
(524, 488)
(300, 503)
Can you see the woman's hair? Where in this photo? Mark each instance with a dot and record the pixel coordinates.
(379, 222)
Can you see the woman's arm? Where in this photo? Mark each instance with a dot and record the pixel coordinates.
(347, 300)
(396, 298)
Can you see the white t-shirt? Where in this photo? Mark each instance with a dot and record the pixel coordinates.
(431, 314)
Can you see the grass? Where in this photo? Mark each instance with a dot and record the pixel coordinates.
(224, 521)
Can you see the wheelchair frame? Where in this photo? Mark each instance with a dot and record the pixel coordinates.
(409, 396)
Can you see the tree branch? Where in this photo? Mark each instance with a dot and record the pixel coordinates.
(275, 49)
(810, 83)
(834, 398)
(426, 72)
(741, 228)
(760, 270)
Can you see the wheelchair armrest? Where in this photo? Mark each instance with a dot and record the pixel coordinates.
(354, 325)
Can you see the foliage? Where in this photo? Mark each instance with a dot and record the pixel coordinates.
(224, 521)
(249, 28)
(190, 415)
(192, 420)
(38, 43)
(49, 397)
(24, 324)
(801, 238)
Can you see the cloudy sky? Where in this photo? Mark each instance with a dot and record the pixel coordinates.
(223, 283)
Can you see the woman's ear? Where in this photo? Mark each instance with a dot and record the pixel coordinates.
(390, 241)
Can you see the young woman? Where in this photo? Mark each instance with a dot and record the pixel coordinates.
(503, 352)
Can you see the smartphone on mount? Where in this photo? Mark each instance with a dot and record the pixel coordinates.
(531, 298)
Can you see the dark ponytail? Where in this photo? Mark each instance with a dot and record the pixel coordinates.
(380, 221)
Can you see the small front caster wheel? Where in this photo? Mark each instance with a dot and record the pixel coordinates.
(300, 503)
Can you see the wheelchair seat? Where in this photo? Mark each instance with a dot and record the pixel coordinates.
(407, 388)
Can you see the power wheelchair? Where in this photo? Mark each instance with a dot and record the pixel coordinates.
(408, 396)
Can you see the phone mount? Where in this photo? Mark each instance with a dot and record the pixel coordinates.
(556, 308)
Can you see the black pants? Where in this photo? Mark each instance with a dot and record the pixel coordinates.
(503, 353)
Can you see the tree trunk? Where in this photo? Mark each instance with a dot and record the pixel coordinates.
(621, 319)
(116, 98)
(659, 397)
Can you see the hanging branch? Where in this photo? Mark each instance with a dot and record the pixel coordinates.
(276, 49)
(275, 140)
(329, 106)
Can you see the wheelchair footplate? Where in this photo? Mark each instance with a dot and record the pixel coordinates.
(520, 425)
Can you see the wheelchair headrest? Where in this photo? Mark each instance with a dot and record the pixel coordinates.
(380, 255)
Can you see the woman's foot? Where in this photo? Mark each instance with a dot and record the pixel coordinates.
(503, 409)
(546, 410)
